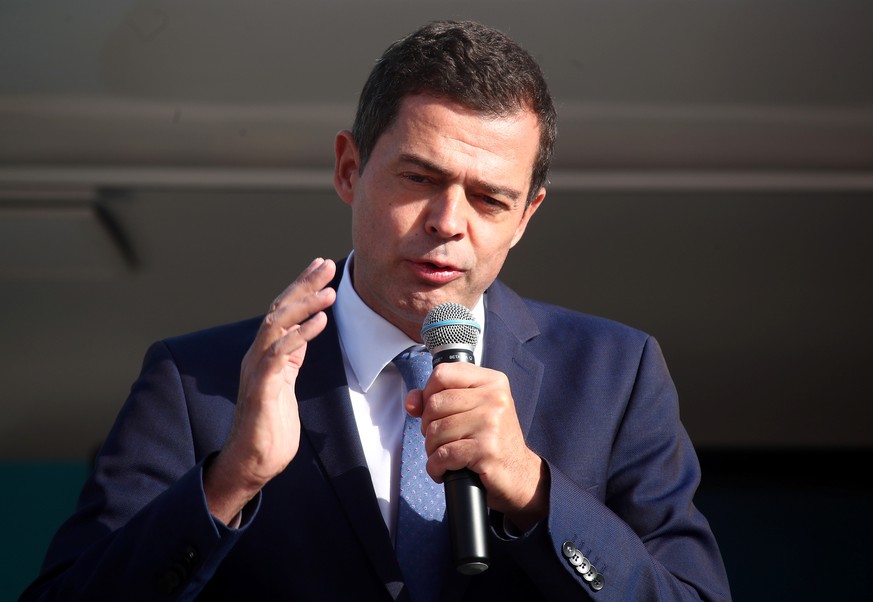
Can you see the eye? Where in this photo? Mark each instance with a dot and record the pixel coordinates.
(415, 178)
(493, 204)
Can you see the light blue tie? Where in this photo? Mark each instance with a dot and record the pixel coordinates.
(422, 540)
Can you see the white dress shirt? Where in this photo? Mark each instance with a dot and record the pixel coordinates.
(369, 343)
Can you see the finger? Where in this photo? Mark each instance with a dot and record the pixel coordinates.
(474, 387)
(315, 277)
(459, 375)
(304, 298)
(454, 456)
(292, 315)
(455, 427)
(296, 337)
(414, 403)
(451, 401)
(287, 328)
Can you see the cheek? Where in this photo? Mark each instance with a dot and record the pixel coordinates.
(383, 234)
(400, 220)
(496, 260)
(369, 220)
(490, 259)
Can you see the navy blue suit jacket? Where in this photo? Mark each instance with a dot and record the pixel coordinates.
(594, 399)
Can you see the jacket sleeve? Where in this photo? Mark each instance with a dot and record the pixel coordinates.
(141, 529)
(634, 534)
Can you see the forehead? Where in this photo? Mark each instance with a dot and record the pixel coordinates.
(452, 133)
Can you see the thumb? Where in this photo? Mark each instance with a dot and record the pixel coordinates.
(414, 403)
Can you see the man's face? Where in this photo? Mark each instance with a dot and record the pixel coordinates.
(437, 207)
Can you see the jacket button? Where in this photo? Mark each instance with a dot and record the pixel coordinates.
(584, 566)
(170, 581)
(190, 557)
(598, 582)
(568, 549)
(173, 578)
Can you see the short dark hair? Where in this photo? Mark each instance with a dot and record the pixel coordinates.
(468, 63)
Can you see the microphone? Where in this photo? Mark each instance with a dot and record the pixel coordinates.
(450, 334)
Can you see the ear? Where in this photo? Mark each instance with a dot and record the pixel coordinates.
(347, 166)
(528, 213)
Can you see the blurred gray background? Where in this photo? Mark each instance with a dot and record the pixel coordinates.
(166, 166)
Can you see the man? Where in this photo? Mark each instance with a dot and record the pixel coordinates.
(279, 479)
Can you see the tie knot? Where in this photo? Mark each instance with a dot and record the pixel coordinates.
(415, 365)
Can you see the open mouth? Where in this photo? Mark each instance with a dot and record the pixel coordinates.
(436, 273)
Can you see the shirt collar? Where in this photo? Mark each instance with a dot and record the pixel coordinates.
(368, 340)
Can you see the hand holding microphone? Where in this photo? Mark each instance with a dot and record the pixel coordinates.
(474, 440)
(450, 334)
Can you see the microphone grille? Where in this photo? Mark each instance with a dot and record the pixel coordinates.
(450, 324)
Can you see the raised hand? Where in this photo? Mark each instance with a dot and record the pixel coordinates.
(265, 434)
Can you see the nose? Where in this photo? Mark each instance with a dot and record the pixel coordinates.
(446, 217)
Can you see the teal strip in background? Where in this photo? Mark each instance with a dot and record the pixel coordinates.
(36, 498)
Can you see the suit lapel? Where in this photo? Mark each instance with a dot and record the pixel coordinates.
(328, 422)
(509, 326)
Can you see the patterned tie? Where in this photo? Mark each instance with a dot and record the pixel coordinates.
(422, 540)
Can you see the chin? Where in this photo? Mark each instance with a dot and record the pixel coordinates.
(417, 303)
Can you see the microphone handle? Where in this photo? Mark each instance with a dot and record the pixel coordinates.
(468, 520)
(465, 501)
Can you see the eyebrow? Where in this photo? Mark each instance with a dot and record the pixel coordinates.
(510, 193)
